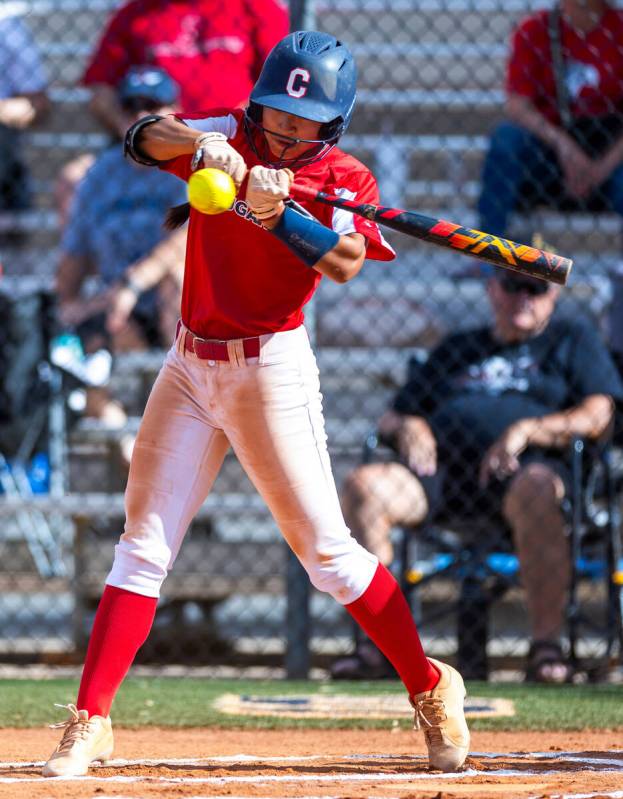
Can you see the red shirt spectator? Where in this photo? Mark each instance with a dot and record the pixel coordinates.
(213, 49)
(593, 65)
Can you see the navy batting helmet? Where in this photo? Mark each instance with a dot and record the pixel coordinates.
(311, 75)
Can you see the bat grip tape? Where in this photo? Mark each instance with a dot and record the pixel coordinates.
(305, 237)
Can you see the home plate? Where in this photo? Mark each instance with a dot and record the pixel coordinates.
(320, 706)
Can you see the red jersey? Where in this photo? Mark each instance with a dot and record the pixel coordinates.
(239, 279)
(593, 66)
(213, 49)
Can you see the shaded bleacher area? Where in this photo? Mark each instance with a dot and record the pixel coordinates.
(431, 74)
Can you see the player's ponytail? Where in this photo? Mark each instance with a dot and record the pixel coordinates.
(176, 216)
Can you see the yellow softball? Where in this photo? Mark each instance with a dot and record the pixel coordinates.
(211, 191)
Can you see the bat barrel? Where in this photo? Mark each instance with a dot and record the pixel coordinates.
(547, 266)
(521, 258)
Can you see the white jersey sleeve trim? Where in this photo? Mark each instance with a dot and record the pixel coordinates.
(343, 222)
(226, 125)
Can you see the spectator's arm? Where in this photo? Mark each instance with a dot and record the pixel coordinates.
(581, 174)
(71, 273)
(271, 25)
(614, 156)
(22, 111)
(115, 53)
(603, 167)
(389, 424)
(413, 439)
(522, 112)
(165, 259)
(591, 418)
(105, 107)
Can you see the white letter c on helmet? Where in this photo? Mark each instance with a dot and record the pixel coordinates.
(298, 82)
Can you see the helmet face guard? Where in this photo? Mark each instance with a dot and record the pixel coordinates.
(256, 135)
(310, 75)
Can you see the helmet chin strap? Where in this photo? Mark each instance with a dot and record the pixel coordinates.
(281, 159)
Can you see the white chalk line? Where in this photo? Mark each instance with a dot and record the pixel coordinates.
(611, 794)
(549, 754)
(242, 758)
(589, 763)
(255, 778)
(295, 778)
(206, 761)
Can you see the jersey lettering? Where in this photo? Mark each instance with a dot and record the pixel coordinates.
(298, 82)
(242, 209)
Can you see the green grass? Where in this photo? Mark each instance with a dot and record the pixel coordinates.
(188, 702)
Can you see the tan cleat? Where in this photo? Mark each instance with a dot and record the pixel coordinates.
(439, 713)
(84, 740)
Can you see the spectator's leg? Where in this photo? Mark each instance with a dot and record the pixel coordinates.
(532, 508)
(515, 158)
(99, 402)
(378, 496)
(130, 339)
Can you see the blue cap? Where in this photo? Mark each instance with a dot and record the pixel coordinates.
(149, 83)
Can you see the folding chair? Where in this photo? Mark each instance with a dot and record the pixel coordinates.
(32, 409)
(461, 550)
(596, 548)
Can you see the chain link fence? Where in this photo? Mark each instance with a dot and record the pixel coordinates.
(432, 77)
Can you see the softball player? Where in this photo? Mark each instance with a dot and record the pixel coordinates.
(241, 373)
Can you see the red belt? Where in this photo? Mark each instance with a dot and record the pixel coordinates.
(217, 350)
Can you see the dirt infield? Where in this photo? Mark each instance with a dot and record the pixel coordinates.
(313, 763)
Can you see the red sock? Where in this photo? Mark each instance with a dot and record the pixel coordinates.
(383, 614)
(122, 624)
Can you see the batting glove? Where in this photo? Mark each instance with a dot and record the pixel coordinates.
(266, 191)
(212, 151)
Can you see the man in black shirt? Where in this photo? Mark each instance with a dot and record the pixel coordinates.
(482, 427)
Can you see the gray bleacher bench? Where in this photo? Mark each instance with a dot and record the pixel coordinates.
(205, 571)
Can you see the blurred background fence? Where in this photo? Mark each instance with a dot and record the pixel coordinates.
(431, 89)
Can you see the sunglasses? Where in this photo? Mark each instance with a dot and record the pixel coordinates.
(535, 288)
(135, 104)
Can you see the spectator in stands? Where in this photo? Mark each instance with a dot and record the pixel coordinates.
(23, 100)
(214, 50)
(482, 428)
(563, 141)
(66, 182)
(115, 232)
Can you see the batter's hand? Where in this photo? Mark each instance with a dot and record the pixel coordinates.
(213, 151)
(502, 458)
(266, 191)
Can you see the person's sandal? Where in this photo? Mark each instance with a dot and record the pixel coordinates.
(366, 663)
(547, 664)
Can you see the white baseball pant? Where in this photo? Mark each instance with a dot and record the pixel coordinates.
(269, 409)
